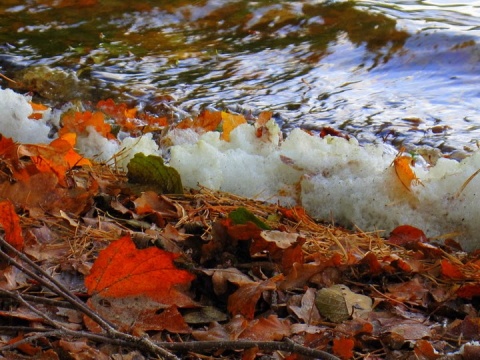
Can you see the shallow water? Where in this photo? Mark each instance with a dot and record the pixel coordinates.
(405, 72)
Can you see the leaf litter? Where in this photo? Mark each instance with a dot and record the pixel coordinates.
(182, 273)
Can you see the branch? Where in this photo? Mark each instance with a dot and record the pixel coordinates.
(287, 346)
(49, 282)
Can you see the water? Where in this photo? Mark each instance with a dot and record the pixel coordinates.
(405, 72)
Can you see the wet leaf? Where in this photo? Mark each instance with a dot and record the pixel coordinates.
(58, 157)
(122, 270)
(150, 170)
(207, 121)
(403, 170)
(229, 123)
(79, 122)
(11, 224)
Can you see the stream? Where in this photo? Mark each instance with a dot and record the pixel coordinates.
(400, 71)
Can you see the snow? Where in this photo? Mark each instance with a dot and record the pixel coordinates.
(333, 178)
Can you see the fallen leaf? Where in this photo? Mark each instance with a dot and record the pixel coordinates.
(219, 332)
(307, 311)
(122, 270)
(270, 328)
(406, 234)
(468, 291)
(221, 278)
(58, 157)
(404, 171)
(327, 130)
(79, 122)
(242, 216)
(450, 270)
(412, 291)
(244, 300)
(343, 348)
(337, 303)
(11, 224)
(425, 351)
(229, 123)
(206, 121)
(300, 273)
(150, 170)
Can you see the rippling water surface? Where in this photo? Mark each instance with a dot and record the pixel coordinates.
(407, 72)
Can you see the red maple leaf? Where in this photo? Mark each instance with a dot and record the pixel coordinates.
(122, 270)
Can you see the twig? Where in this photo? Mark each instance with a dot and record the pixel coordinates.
(7, 78)
(287, 346)
(52, 284)
(55, 286)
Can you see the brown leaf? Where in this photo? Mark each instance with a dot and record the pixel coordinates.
(412, 291)
(270, 328)
(221, 278)
(244, 300)
(307, 311)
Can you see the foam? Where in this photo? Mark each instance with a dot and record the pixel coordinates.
(14, 121)
(337, 179)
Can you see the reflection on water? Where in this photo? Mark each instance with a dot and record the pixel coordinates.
(401, 71)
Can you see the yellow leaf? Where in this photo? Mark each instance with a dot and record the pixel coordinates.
(230, 122)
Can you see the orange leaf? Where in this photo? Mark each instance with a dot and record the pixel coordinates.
(230, 122)
(451, 271)
(38, 110)
(343, 348)
(404, 171)
(122, 270)
(207, 121)
(11, 223)
(58, 157)
(78, 122)
(425, 351)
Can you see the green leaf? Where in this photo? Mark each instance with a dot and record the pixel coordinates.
(150, 170)
(242, 216)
